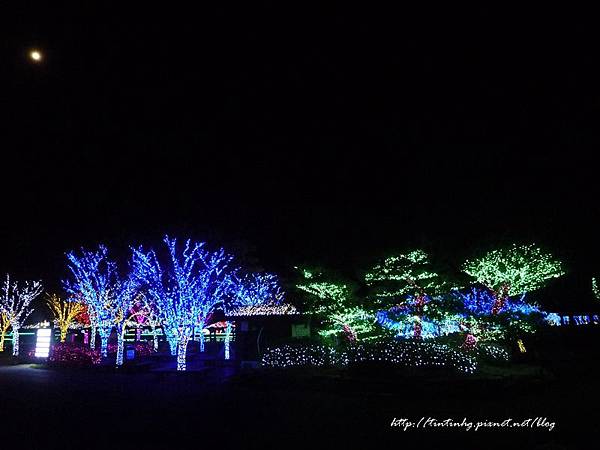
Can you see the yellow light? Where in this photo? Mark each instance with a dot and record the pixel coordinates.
(35, 55)
(522, 348)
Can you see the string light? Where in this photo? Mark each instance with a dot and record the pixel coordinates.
(14, 304)
(4, 326)
(333, 302)
(64, 313)
(513, 271)
(93, 275)
(197, 282)
(406, 353)
(284, 309)
(404, 286)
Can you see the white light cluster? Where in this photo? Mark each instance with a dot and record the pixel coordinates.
(264, 310)
(408, 354)
(494, 351)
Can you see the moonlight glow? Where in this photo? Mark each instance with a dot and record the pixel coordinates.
(35, 55)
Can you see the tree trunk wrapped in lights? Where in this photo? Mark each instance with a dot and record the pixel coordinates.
(120, 346)
(182, 344)
(15, 338)
(93, 332)
(154, 338)
(14, 304)
(105, 333)
(227, 339)
(4, 326)
(202, 339)
(64, 312)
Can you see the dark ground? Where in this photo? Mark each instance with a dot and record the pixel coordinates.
(87, 409)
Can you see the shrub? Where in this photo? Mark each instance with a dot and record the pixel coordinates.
(73, 355)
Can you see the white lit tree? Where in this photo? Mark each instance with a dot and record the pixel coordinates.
(15, 304)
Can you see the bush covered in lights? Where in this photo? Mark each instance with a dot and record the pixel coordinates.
(70, 354)
(403, 353)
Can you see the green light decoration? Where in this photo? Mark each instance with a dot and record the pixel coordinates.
(595, 289)
(513, 271)
(404, 284)
(337, 307)
(403, 274)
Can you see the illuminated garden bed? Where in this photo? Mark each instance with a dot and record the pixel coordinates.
(404, 354)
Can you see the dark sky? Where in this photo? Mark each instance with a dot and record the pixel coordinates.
(306, 133)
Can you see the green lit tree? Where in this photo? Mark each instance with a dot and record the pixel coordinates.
(337, 307)
(512, 271)
(405, 286)
(595, 289)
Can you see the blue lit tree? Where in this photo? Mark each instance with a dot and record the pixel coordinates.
(190, 284)
(252, 290)
(93, 283)
(483, 323)
(122, 305)
(15, 305)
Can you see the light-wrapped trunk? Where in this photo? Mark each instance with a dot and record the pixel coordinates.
(63, 334)
(202, 340)
(120, 346)
(15, 328)
(181, 352)
(154, 339)
(93, 331)
(227, 339)
(104, 335)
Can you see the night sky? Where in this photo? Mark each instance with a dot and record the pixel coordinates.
(297, 134)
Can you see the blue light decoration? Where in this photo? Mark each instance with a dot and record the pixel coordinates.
(401, 319)
(93, 278)
(253, 290)
(196, 282)
(125, 296)
(553, 319)
(480, 302)
(227, 336)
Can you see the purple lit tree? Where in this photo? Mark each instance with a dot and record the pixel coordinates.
(14, 305)
(196, 282)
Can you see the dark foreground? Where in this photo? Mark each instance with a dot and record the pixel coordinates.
(43, 408)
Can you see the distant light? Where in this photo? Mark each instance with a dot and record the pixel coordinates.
(42, 343)
(35, 55)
